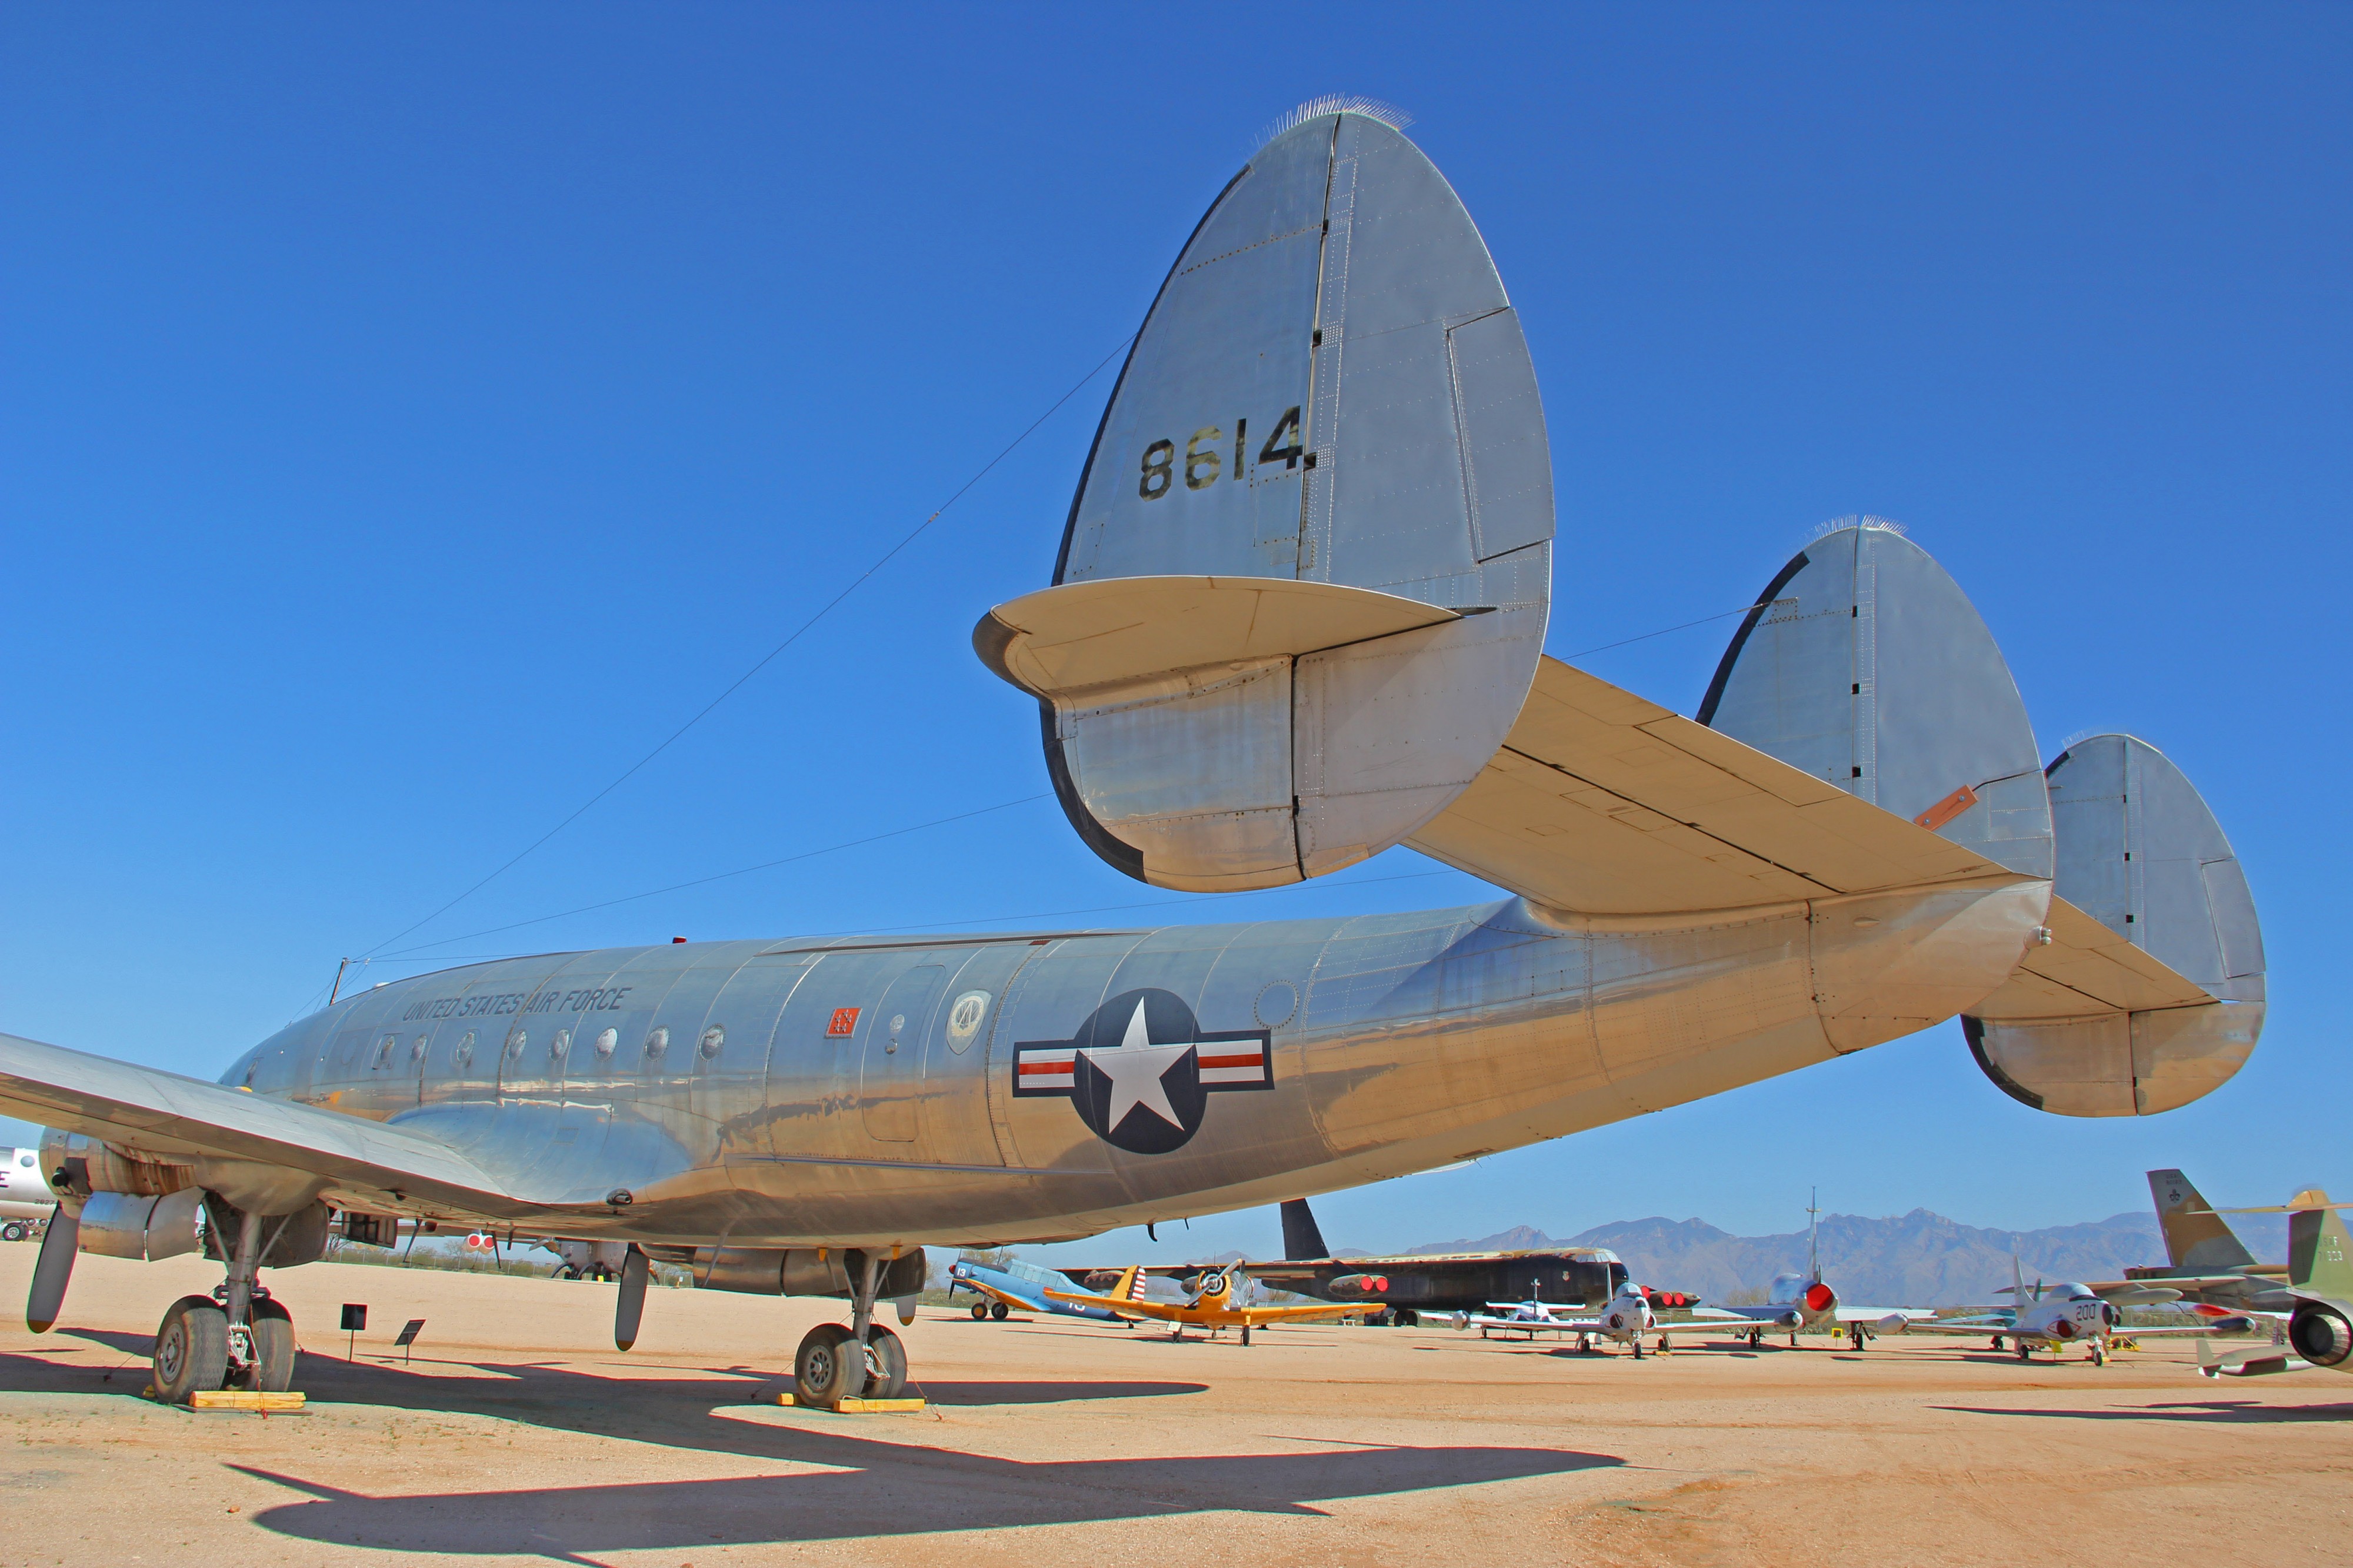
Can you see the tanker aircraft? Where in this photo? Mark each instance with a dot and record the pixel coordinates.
(1297, 618)
(2320, 1279)
(25, 1201)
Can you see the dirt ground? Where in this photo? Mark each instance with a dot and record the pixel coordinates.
(519, 1434)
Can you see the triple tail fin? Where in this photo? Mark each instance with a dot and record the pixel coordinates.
(2195, 1235)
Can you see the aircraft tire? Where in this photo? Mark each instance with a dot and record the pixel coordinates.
(14, 1231)
(2025, 1352)
(191, 1350)
(272, 1328)
(980, 1311)
(1000, 1310)
(823, 1373)
(2099, 1353)
(886, 1363)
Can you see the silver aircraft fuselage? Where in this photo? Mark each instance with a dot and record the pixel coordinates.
(931, 1091)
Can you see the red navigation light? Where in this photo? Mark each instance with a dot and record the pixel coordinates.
(1819, 1298)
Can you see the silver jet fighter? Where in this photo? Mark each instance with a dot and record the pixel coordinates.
(1297, 619)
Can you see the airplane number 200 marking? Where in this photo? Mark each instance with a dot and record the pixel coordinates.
(1205, 460)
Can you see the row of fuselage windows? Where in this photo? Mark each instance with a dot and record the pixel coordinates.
(602, 1047)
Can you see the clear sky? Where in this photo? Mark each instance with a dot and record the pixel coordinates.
(411, 415)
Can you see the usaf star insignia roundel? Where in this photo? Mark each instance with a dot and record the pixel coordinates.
(1140, 1071)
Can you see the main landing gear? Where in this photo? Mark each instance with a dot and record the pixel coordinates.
(1855, 1336)
(235, 1338)
(983, 1310)
(863, 1360)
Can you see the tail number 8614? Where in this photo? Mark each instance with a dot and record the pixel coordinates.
(1205, 456)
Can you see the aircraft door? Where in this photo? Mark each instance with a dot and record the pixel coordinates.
(891, 1075)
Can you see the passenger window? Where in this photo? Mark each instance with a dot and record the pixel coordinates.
(383, 1049)
(607, 1040)
(714, 1038)
(657, 1043)
(464, 1055)
(560, 1046)
(517, 1040)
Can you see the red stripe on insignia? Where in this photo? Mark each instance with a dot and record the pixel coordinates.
(1250, 1060)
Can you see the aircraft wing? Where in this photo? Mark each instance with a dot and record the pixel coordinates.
(2230, 1324)
(982, 1287)
(1256, 1315)
(1605, 802)
(1845, 1314)
(1971, 1327)
(166, 1114)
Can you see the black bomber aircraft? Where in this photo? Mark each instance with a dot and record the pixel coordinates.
(1410, 1285)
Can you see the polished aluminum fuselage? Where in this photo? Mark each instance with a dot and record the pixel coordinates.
(766, 1115)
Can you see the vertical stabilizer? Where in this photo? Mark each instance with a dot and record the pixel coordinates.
(2195, 1236)
(1315, 526)
(1301, 1235)
(1868, 668)
(2319, 1252)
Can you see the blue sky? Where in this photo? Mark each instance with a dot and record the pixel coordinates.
(411, 415)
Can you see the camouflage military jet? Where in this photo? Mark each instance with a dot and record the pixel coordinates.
(2320, 1279)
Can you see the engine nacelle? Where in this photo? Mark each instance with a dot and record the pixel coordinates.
(802, 1271)
(2322, 1332)
(143, 1230)
(1360, 1285)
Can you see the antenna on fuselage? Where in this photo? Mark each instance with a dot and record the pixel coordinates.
(336, 989)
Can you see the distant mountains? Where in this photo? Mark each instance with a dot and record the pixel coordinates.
(1919, 1260)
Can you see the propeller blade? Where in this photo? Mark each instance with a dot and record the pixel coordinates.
(630, 1306)
(52, 1270)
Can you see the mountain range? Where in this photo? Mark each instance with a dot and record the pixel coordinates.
(1919, 1260)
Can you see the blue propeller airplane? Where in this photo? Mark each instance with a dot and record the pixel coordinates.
(1016, 1286)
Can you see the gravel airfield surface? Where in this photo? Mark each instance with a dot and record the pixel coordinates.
(518, 1434)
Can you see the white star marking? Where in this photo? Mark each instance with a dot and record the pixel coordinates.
(1135, 1067)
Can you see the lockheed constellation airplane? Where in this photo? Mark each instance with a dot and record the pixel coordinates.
(1297, 618)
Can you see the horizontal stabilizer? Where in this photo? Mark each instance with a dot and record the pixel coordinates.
(1601, 802)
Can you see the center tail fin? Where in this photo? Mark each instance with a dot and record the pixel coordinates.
(2195, 1236)
(1302, 1237)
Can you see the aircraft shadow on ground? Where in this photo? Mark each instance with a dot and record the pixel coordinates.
(874, 1487)
(2229, 1412)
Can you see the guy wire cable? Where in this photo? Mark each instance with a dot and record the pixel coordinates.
(855, 582)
